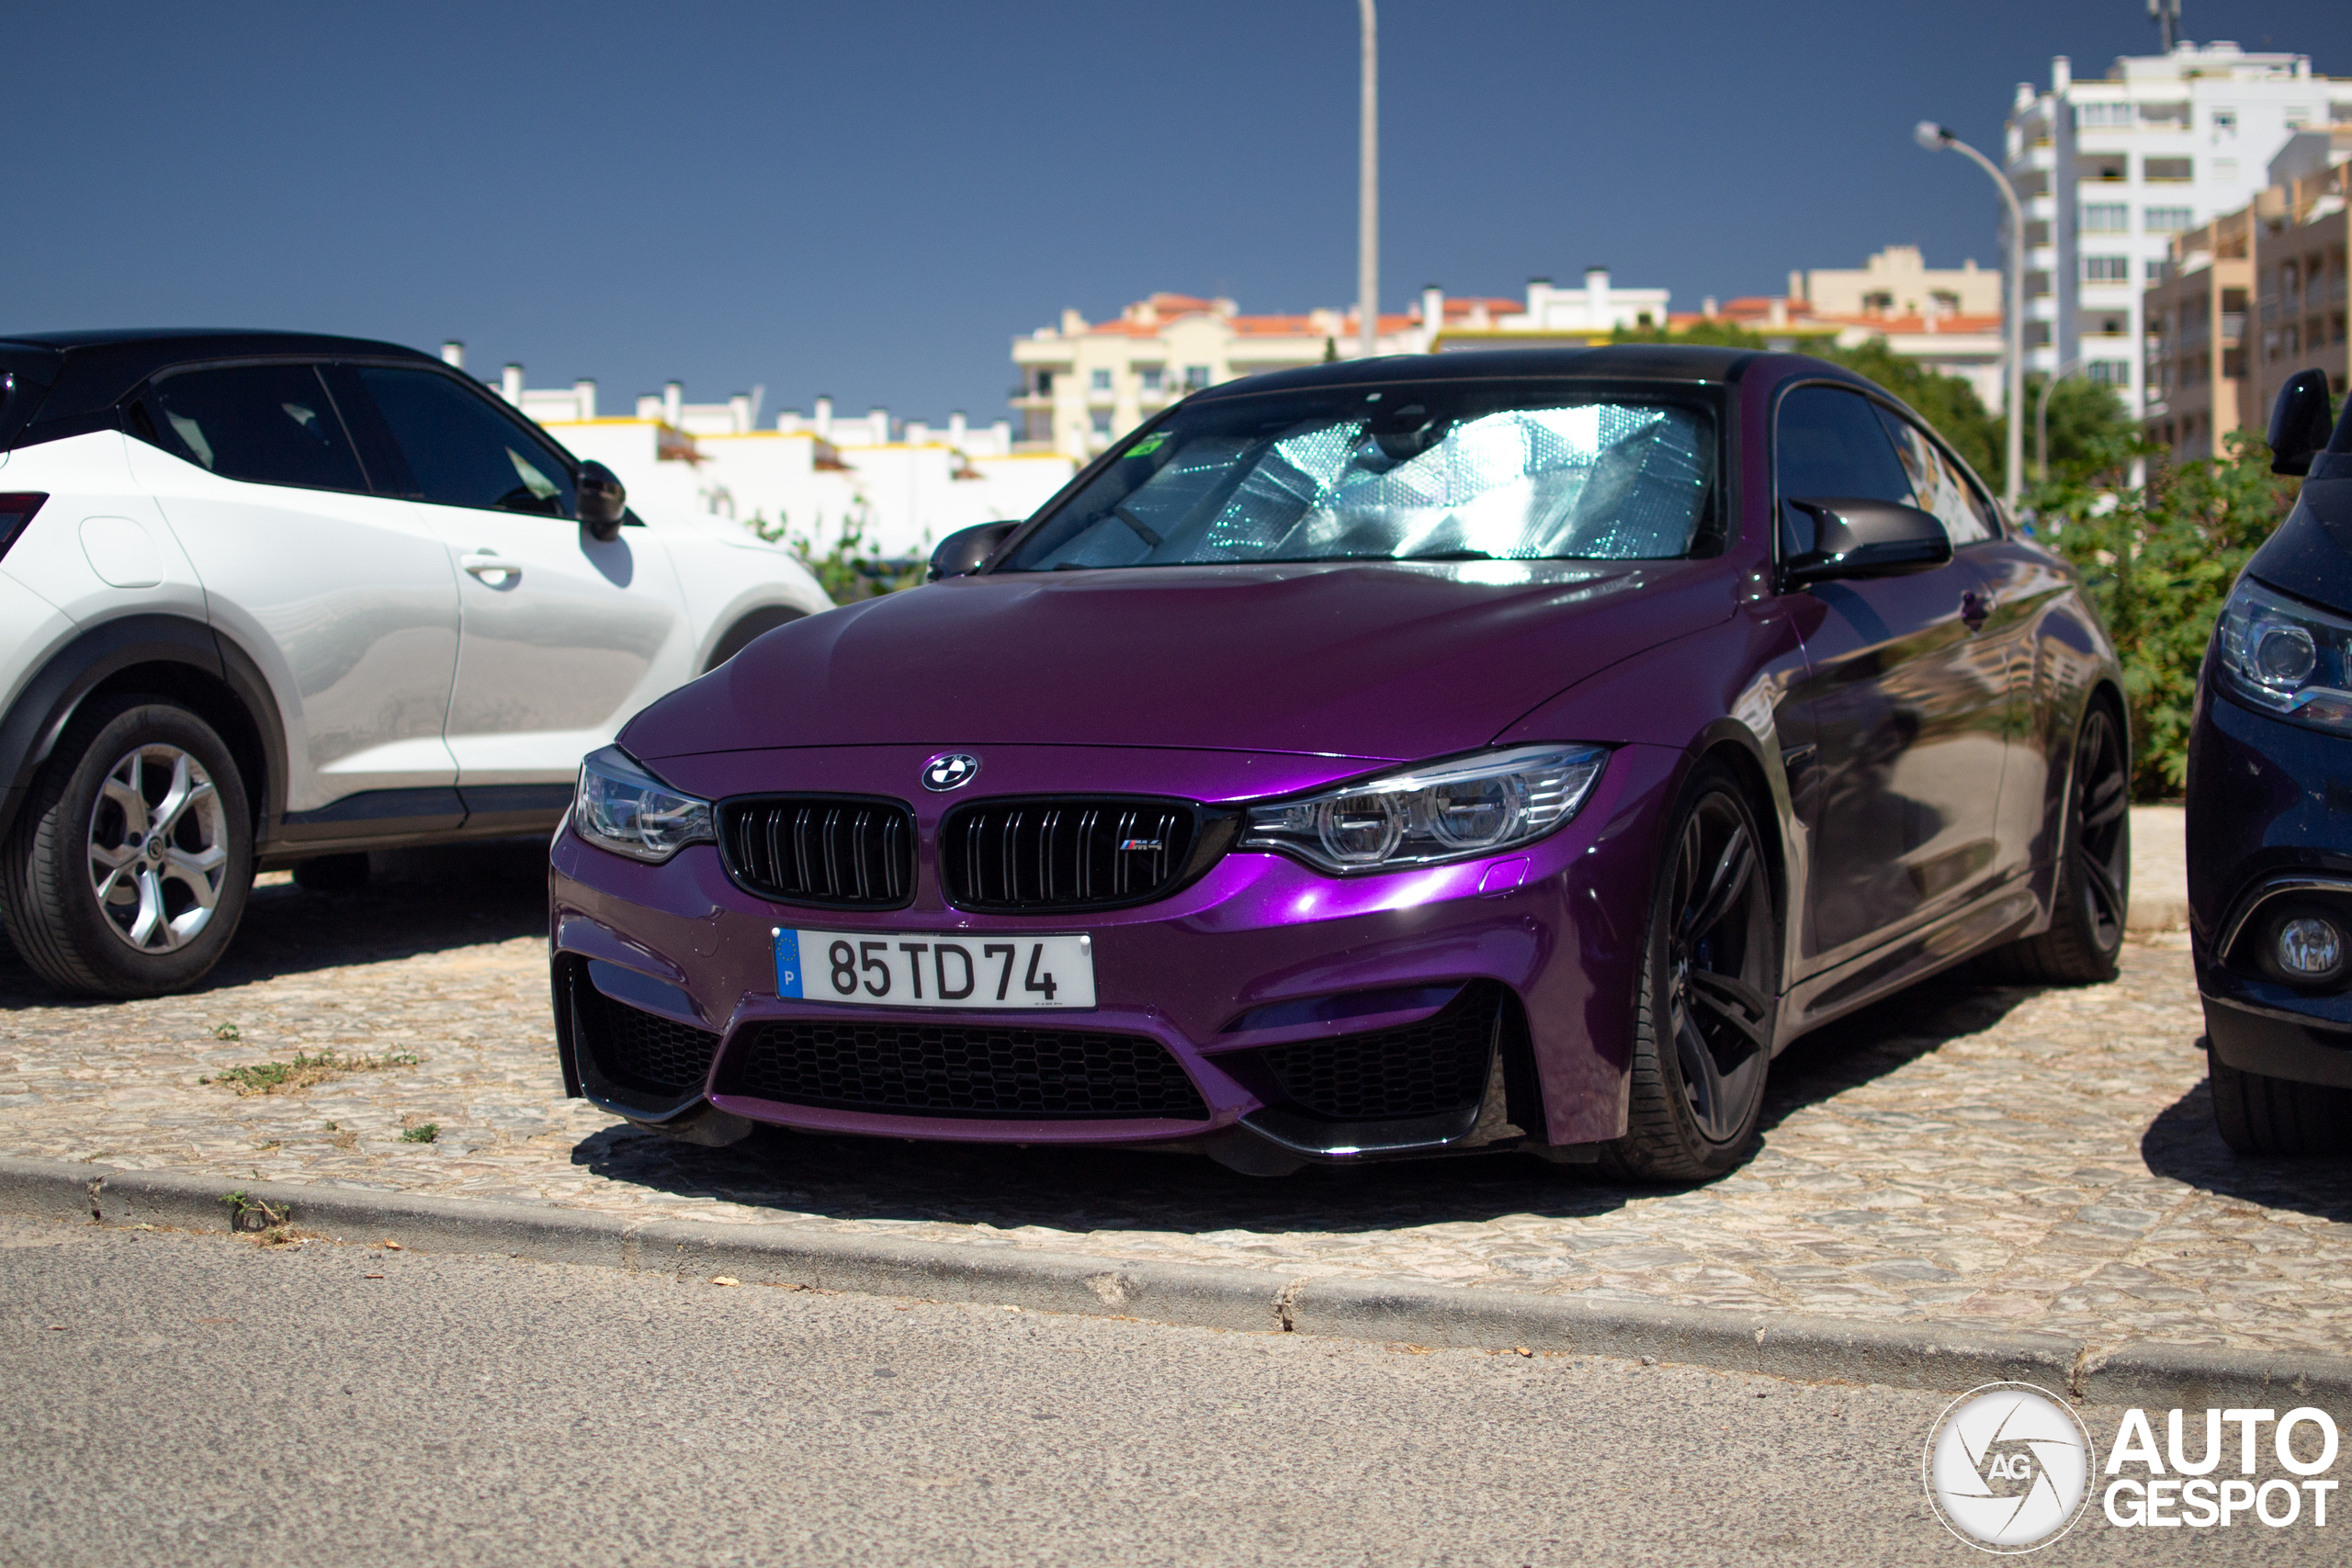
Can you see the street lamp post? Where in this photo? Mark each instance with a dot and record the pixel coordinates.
(2041, 420)
(1935, 138)
(1368, 192)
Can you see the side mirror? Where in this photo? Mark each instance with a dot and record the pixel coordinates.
(2300, 423)
(604, 502)
(1855, 537)
(965, 550)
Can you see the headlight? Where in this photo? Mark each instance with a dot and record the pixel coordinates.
(621, 808)
(1444, 811)
(2287, 658)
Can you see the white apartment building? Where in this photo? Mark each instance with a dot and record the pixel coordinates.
(1085, 384)
(2109, 171)
(906, 484)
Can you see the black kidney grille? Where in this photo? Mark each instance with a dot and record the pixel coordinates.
(923, 1069)
(1063, 854)
(640, 1050)
(1416, 1069)
(849, 854)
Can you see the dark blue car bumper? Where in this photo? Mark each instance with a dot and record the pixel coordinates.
(2270, 817)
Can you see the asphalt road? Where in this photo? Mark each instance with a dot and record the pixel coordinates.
(168, 1398)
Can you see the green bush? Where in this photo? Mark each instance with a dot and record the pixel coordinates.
(2157, 563)
(851, 567)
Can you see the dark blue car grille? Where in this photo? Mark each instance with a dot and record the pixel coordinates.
(838, 852)
(1081, 852)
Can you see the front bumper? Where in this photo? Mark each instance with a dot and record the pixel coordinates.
(2269, 818)
(1259, 953)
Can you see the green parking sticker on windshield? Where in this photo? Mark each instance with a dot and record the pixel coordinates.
(1148, 445)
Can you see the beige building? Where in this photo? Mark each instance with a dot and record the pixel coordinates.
(1085, 384)
(1898, 282)
(2258, 295)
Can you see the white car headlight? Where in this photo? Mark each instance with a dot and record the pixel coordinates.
(621, 808)
(2287, 658)
(1441, 811)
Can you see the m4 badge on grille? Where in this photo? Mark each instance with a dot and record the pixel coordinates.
(950, 770)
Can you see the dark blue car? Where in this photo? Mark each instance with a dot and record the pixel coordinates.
(2270, 810)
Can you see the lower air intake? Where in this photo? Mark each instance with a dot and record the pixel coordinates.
(917, 1069)
(1417, 1069)
(643, 1051)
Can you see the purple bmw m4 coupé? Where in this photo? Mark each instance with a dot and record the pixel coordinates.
(1480, 751)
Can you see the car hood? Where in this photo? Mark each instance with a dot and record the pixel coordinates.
(1377, 660)
(2311, 555)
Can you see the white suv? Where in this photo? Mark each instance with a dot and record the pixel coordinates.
(272, 600)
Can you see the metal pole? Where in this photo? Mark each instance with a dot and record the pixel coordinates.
(2041, 420)
(1368, 194)
(1933, 136)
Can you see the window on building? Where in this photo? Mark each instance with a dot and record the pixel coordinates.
(1153, 376)
(2170, 116)
(2166, 170)
(2160, 272)
(2102, 114)
(2109, 372)
(1101, 381)
(1101, 426)
(1041, 383)
(1877, 304)
(2226, 119)
(1196, 378)
(2106, 218)
(2165, 220)
(2107, 269)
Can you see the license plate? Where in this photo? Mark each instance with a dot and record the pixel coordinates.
(927, 969)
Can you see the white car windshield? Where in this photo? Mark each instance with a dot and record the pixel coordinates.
(1438, 473)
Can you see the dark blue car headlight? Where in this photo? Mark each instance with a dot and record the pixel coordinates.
(621, 808)
(2286, 656)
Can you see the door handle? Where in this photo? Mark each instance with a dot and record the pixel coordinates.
(1974, 608)
(486, 564)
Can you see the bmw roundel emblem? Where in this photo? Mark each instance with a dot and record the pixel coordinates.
(950, 770)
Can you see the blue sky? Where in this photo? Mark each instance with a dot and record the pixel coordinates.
(871, 200)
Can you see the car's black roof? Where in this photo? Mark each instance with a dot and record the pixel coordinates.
(75, 376)
(1613, 362)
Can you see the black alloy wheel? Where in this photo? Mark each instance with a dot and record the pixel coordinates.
(2094, 894)
(1703, 1026)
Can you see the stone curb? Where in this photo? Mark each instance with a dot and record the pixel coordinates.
(1196, 1295)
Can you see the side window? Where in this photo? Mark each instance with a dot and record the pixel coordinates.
(1828, 442)
(461, 451)
(268, 423)
(1937, 482)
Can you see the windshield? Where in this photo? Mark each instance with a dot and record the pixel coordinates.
(1464, 472)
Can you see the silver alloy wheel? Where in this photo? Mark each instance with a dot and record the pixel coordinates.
(158, 848)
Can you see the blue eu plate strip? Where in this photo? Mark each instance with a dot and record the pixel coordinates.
(788, 964)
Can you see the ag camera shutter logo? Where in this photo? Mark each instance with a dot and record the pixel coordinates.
(2007, 1467)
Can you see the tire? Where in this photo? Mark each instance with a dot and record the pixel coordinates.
(2094, 893)
(94, 905)
(1707, 1004)
(2259, 1115)
(332, 874)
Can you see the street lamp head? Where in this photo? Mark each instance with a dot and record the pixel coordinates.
(1930, 135)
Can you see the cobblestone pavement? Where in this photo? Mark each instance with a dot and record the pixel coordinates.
(2000, 1157)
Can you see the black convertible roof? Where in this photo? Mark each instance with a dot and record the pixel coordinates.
(61, 381)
